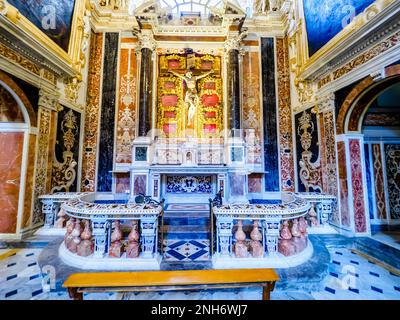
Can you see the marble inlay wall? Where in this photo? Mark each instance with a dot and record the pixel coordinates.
(92, 113)
(271, 153)
(107, 121)
(285, 116)
(251, 104)
(392, 155)
(380, 199)
(357, 185)
(65, 165)
(308, 153)
(11, 147)
(344, 190)
(126, 105)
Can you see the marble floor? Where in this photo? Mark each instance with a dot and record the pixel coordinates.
(350, 277)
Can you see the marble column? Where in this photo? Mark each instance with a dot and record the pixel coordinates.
(233, 89)
(145, 91)
(233, 50)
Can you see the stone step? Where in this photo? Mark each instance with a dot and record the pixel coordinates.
(379, 251)
(182, 221)
(179, 214)
(186, 232)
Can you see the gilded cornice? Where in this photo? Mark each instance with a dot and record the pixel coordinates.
(17, 28)
(368, 21)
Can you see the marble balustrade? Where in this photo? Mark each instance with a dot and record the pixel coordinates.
(262, 230)
(114, 230)
(54, 216)
(322, 207)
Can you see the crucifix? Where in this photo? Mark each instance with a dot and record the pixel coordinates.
(191, 97)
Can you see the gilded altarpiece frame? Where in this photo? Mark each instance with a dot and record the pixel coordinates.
(171, 107)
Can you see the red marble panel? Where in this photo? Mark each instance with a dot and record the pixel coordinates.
(169, 128)
(210, 128)
(139, 184)
(210, 115)
(210, 100)
(174, 64)
(380, 200)
(126, 105)
(169, 114)
(169, 100)
(255, 183)
(357, 186)
(11, 144)
(122, 182)
(344, 191)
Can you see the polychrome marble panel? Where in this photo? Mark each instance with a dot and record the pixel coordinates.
(92, 114)
(255, 183)
(392, 154)
(285, 116)
(357, 185)
(326, 18)
(11, 144)
(126, 123)
(252, 105)
(380, 199)
(122, 182)
(344, 190)
(139, 184)
(53, 17)
(237, 184)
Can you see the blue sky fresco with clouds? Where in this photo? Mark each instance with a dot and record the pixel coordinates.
(324, 19)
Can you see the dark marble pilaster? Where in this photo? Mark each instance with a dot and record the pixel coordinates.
(107, 121)
(271, 154)
(145, 91)
(233, 89)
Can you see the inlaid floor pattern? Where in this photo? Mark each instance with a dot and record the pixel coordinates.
(186, 233)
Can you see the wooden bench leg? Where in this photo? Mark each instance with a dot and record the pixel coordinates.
(74, 294)
(267, 290)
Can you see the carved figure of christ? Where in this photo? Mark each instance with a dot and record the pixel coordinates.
(191, 97)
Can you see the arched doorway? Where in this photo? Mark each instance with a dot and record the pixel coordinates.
(368, 140)
(14, 140)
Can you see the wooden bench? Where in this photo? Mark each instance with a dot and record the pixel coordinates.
(146, 281)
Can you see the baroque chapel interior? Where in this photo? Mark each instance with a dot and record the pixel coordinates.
(160, 149)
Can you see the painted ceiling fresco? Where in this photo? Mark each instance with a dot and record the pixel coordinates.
(326, 18)
(53, 17)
